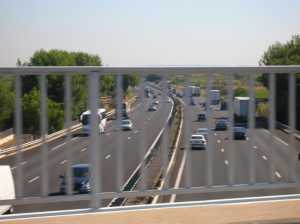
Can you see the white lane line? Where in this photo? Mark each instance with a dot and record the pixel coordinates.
(215, 134)
(23, 163)
(281, 141)
(84, 149)
(63, 162)
(264, 157)
(255, 147)
(219, 141)
(33, 179)
(107, 134)
(226, 162)
(247, 138)
(129, 138)
(107, 156)
(60, 145)
(135, 132)
(14, 167)
(267, 131)
(278, 174)
(222, 150)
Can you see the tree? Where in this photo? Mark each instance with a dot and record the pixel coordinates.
(6, 102)
(130, 80)
(240, 91)
(283, 54)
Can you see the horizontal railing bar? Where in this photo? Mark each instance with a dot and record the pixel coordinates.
(153, 192)
(163, 70)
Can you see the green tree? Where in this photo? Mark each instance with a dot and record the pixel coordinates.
(240, 91)
(6, 102)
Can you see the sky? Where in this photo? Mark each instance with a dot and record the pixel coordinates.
(148, 33)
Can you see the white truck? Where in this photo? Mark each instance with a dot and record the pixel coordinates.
(241, 105)
(7, 188)
(214, 96)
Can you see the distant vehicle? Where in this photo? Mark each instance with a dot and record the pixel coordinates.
(147, 91)
(201, 116)
(198, 142)
(241, 105)
(154, 96)
(152, 108)
(193, 103)
(194, 90)
(239, 133)
(81, 179)
(214, 96)
(156, 102)
(179, 94)
(126, 125)
(202, 131)
(85, 120)
(221, 125)
(7, 189)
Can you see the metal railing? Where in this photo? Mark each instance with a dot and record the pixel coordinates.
(97, 196)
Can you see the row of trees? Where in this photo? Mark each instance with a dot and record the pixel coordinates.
(55, 90)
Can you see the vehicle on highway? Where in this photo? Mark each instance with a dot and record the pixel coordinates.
(201, 116)
(202, 131)
(239, 133)
(154, 96)
(85, 120)
(179, 94)
(126, 125)
(169, 100)
(221, 125)
(81, 179)
(156, 102)
(193, 102)
(198, 142)
(152, 108)
(7, 188)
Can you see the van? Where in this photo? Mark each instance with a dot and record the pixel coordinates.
(7, 189)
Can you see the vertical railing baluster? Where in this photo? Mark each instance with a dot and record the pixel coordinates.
(18, 131)
(210, 147)
(251, 126)
(94, 139)
(230, 151)
(292, 126)
(68, 114)
(44, 132)
(272, 119)
(120, 153)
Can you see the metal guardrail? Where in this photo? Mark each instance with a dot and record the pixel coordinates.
(96, 196)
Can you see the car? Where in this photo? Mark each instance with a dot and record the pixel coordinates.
(193, 103)
(126, 124)
(239, 133)
(156, 102)
(169, 100)
(152, 108)
(198, 142)
(7, 189)
(154, 96)
(81, 179)
(202, 131)
(201, 116)
(221, 125)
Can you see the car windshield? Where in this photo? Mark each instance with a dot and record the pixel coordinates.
(197, 137)
(125, 122)
(81, 172)
(202, 130)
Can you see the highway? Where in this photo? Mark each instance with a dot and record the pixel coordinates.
(261, 142)
(112, 143)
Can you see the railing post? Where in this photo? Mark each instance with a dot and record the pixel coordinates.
(94, 139)
(210, 148)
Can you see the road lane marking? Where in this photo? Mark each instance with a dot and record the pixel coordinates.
(63, 162)
(84, 149)
(267, 131)
(278, 174)
(23, 163)
(255, 147)
(33, 179)
(219, 141)
(14, 167)
(226, 162)
(222, 150)
(107, 156)
(281, 141)
(215, 134)
(129, 138)
(264, 157)
(60, 145)
(107, 134)
(247, 138)
(135, 132)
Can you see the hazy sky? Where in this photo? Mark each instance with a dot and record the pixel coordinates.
(153, 32)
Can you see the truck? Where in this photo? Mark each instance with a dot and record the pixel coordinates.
(214, 95)
(194, 90)
(241, 106)
(7, 188)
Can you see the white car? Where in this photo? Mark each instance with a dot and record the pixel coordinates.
(126, 125)
(198, 142)
(202, 131)
(156, 102)
(7, 188)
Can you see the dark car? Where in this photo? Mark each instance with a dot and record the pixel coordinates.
(239, 133)
(201, 116)
(193, 103)
(81, 179)
(221, 125)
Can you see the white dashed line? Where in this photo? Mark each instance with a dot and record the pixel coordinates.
(278, 174)
(226, 162)
(267, 131)
(281, 141)
(63, 162)
(255, 147)
(14, 167)
(58, 146)
(107, 156)
(135, 132)
(129, 138)
(222, 150)
(264, 157)
(219, 141)
(33, 179)
(247, 138)
(23, 163)
(215, 134)
(84, 149)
